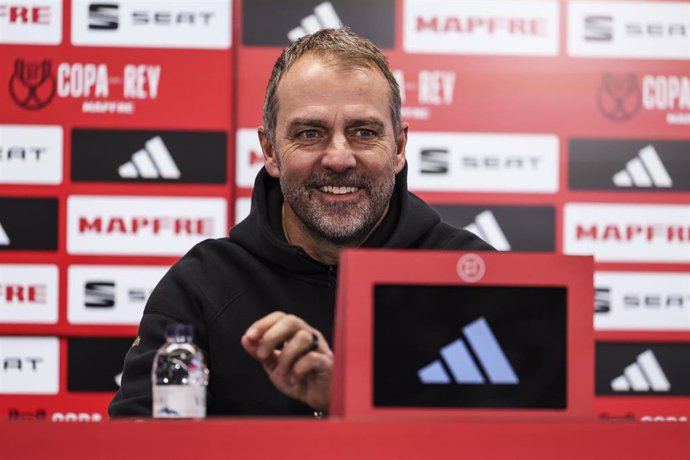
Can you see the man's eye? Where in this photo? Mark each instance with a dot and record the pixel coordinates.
(309, 134)
(365, 133)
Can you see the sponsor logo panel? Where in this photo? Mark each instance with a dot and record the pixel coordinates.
(633, 165)
(483, 162)
(31, 22)
(30, 154)
(428, 88)
(28, 293)
(620, 97)
(628, 232)
(644, 30)
(481, 27)
(250, 158)
(643, 369)
(28, 224)
(463, 367)
(169, 24)
(642, 301)
(149, 156)
(110, 294)
(507, 228)
(478, 356)
(59, 411)
(163, 226)
(30, 365)
(95, 364)
(102, 88)
(242, 208)
(271, 23)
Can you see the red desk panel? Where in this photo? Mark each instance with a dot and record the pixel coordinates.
(330, 439)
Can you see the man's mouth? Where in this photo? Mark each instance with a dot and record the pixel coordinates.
(338, 190)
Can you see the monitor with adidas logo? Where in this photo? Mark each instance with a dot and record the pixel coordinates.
(451, 334)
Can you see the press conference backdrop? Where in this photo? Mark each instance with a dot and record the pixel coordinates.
(128, 134)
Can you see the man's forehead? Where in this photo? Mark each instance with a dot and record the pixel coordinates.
(325, 64)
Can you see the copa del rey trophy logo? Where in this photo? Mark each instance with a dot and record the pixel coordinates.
(32, 85)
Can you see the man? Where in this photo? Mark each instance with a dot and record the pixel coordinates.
(262, 301)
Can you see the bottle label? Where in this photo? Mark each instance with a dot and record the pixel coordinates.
(179, 401)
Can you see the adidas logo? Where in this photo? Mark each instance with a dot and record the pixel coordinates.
(643, 375)
(152, 162)
(646, 170)
(4, 239)
(324, 17)
(486, 227)
(457, 360)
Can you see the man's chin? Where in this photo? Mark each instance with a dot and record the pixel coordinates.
(342, 235)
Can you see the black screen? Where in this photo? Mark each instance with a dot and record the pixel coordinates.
(470, 347)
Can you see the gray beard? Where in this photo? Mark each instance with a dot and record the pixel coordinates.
(342, 224)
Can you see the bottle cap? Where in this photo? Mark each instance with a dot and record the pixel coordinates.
(179, 330)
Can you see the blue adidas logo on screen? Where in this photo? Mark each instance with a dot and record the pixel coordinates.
(462, 365)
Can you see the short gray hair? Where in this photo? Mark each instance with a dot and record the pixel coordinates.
(346, 48)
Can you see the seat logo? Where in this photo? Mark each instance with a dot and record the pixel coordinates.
(152, 162)
(457, 363)
(645, 374)
(324, 17)
(646, 170)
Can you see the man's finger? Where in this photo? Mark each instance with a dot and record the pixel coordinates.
(281, 331)
(299, 344)
(259, 327)
(311, 362)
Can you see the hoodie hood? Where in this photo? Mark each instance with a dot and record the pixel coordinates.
(408, 219)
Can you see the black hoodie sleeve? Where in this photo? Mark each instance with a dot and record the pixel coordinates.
(176, 299)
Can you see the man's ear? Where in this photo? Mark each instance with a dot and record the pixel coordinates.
(270, 160)
(400, 145)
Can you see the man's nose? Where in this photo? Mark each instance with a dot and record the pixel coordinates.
(338, 155)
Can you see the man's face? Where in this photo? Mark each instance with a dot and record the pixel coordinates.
(335, 151)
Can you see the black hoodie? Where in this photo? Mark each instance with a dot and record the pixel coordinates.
(222, 286)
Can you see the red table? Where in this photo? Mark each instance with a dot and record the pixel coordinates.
(331, 439)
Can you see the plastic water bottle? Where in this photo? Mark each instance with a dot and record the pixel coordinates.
(179, 376)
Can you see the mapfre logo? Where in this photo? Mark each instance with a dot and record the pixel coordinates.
(169, 24)
(422, 92)
(142, 225)
(110, 294)
(30, 154)
(34, 84)
(27, 22)
(483, 162)
(249, 159)
(644, 30)
(620, 97)
(29, 365)
(628, 165)
(628, 232)
(149, 156)
(242, 208)
(28, 293)
(478, 27)
(642, 301)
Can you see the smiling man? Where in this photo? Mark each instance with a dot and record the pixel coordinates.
(262, 301)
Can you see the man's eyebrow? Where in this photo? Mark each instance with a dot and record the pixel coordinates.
(302, 122)
(369, 121)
